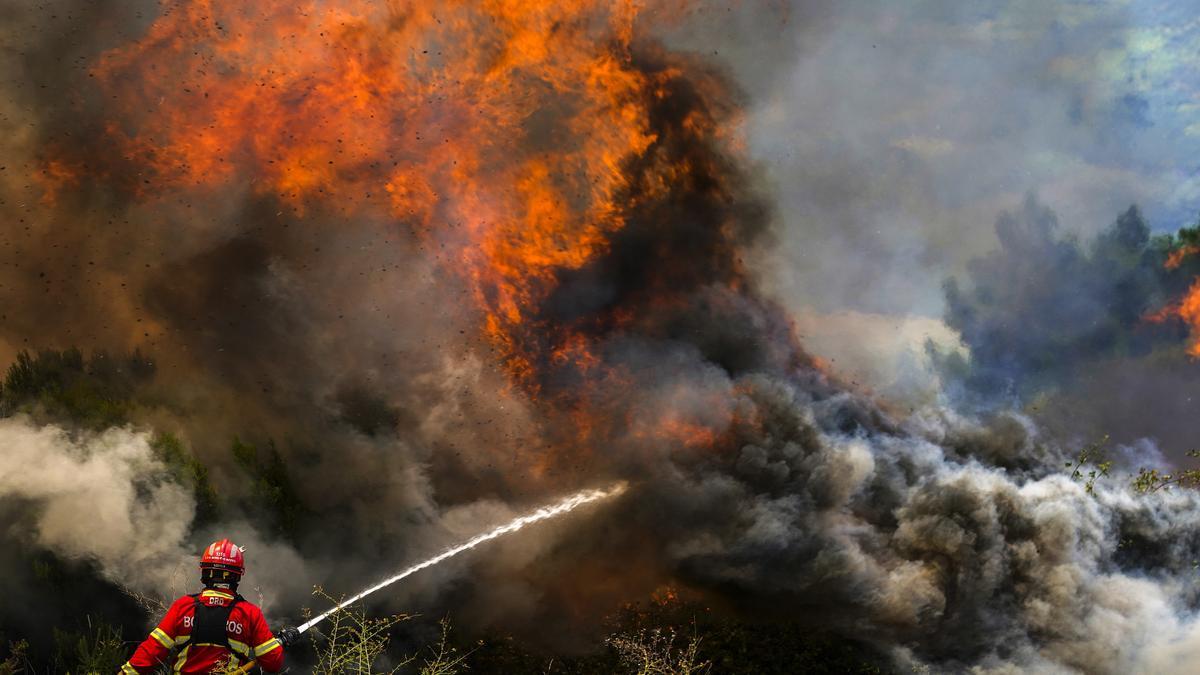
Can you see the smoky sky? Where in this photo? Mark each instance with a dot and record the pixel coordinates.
(892, 134)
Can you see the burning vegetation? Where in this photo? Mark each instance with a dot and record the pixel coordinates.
(400, 270)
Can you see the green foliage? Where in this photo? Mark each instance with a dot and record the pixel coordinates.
(95, 393)
(1090, 465)
(1153, 480)
(97, 649)
(272, 487)
(1045, 307)
(47, 572)
(188, 471)
(15, 662)
(1186, 236)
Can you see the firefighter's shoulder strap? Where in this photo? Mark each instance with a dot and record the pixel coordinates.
(210, 622)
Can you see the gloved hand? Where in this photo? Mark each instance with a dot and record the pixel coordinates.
(288, 636)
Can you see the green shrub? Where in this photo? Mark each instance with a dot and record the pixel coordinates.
(96, 649)
(188, 471)
(15, 662)
(272, 487)
(95, 393)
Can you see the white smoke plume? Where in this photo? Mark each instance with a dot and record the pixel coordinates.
(101, 497)
(107, 499)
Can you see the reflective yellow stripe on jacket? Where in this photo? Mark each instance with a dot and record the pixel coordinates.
(128, 669)
(267, 647)
(240, 647)
(162, 638)
(183, 654)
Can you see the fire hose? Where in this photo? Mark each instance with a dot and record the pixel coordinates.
(546, 512)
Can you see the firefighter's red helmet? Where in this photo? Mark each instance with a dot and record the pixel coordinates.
(223, 555)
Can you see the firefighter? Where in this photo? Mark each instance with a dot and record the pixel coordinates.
(215, 627)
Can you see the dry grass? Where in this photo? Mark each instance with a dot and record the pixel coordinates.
(444, 658)
(353, 641)
(657, 651)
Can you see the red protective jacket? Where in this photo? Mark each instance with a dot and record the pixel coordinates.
(246, 632)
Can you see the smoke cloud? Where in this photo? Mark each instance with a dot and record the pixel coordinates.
(95, 497)
(108, 499)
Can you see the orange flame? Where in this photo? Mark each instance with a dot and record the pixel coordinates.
(56, 176)
(1188, 308)
(1176, 257)
(425, 110)
(1188, 311)
(517, 137)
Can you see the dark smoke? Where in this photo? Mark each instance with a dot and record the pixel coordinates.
(958, 544)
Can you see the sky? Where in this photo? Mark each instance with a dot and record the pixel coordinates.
(895, 133)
